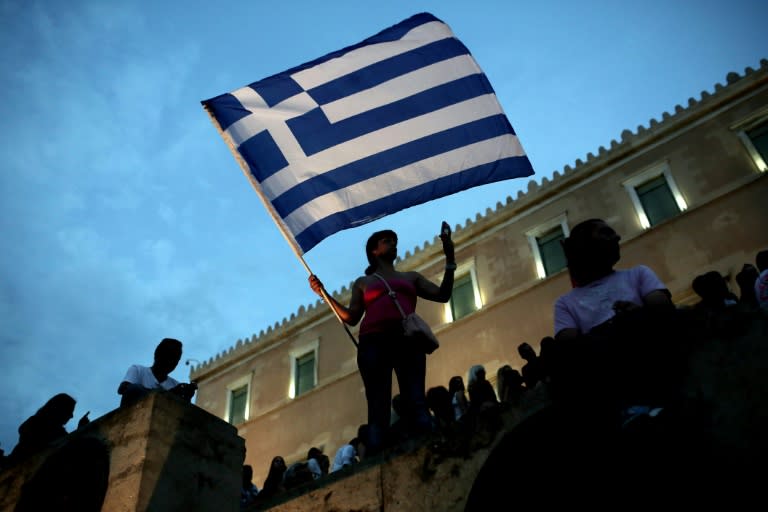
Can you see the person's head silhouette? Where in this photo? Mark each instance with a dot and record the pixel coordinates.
(247, 475)
(526, 351)
(375, 250)
(761, 260)
(712, 288)
(59, 409)
(456, 383)
(167, 357)
(591, 251)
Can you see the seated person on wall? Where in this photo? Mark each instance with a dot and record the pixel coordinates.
(319, 464)
(347, 455)
(533, 370)
(712, 287)
(604, 324)
(600, 292)
(248, 490)
(140, 380)
(273, 484)
(746, 279)
(45, 426)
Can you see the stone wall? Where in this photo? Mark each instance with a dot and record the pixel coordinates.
(436, 475)
(160, 454)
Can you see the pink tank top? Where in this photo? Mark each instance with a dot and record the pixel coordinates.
(381, 314)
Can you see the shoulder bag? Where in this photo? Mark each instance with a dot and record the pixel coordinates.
(414, 326)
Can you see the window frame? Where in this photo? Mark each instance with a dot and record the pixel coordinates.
(295, 354)
(659, 170)
(741, 129)
(245, 380)
(462, 270)
(542, 229)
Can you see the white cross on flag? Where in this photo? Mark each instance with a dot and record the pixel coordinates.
(402, 118)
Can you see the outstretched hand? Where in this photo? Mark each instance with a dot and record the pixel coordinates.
(445, 237)
(84, 420)
(184, 390)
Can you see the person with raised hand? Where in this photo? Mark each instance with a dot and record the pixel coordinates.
(383, 347)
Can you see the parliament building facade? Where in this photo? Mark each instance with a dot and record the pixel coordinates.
(687, 193)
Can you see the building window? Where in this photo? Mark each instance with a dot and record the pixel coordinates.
(303, 369)
(238, 400)
(655, 195)
(551, 251)
(755, 138)
(305, 373)
(657, 200)
(544, 240)
(465, 298)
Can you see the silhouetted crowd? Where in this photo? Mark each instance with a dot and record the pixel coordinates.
(463, 418)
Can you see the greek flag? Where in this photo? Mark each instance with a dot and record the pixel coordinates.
(402, 118)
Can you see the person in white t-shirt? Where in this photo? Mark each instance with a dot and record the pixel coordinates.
(140, 380)
(346, 455)
(615, 330)
(600, 292)
(318, 462)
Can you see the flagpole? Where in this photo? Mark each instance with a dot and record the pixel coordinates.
(272, 213)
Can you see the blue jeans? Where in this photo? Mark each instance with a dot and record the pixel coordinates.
(378, 354)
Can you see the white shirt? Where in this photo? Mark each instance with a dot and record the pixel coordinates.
(143, 376)
(587, 306)
(314, 468)
(345, 456)
(459, 405)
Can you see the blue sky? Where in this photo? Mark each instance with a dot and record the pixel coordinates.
(126, 219)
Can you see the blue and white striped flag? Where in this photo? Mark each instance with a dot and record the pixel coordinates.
(402, 118)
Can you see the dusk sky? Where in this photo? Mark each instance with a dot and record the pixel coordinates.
(126, 219)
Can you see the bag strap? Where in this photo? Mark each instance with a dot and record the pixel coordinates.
(392, 294)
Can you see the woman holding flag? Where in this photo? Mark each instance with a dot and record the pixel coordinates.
(383, 346)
